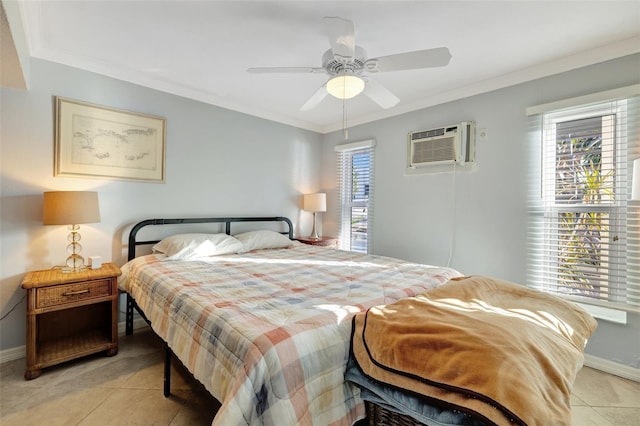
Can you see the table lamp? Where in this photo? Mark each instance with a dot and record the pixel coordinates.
(71, 208)
(315, 203)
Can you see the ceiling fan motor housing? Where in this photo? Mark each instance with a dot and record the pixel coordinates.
(335, 66)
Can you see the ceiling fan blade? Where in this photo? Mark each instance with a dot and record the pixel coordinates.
(290, 70)
(341, 33)
(317, 97)
(438, 57)
(380, 95)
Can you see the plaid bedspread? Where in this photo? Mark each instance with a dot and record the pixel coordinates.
(268, 332)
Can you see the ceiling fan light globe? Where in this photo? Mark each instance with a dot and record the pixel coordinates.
(345, 86)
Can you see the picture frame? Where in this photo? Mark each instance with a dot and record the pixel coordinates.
(107, 143)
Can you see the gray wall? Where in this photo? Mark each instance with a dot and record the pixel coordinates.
(483, 212)
(218, 163)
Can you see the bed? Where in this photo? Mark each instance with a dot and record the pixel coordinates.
(265, 328)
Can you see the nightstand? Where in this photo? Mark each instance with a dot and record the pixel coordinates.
(322, 241)
(70, 315)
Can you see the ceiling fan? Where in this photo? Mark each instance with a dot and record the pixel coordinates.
(347, 66)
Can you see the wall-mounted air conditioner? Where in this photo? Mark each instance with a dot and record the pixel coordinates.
(442, 146)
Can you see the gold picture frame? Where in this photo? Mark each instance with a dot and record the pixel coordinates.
(108, 143)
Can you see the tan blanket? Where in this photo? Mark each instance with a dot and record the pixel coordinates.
(498, 350)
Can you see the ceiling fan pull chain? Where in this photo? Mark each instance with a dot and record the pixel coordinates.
(345, 131)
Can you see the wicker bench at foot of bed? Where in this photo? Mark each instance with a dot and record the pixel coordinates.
(378, 416)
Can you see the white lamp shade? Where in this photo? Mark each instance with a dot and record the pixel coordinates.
(345, 86)
(70, 207)
(315, 202)
(635, 183)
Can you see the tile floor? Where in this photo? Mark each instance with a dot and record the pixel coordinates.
(127, 389)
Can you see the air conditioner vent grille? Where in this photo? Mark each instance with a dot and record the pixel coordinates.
(428, 133)
(434, 150)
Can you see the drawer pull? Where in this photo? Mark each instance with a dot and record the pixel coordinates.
(75, 293)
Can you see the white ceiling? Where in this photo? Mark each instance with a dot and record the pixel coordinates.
(201, 49)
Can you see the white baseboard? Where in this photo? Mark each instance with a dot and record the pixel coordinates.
(12, 354)
(620, 370)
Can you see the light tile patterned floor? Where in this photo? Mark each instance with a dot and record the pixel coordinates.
(127, 389)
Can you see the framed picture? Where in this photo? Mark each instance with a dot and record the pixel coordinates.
(100, 142)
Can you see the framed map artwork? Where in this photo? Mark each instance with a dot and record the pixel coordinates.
(100, 142)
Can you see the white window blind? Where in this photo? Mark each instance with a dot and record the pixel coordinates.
(356, 183)
(578, 201)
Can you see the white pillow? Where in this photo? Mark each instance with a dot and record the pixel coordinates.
(255, 240)
(193, 246)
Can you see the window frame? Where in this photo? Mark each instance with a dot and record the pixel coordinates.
(554, 209)
(345, 155)
(624, 103)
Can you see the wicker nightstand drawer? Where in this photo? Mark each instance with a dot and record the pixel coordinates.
(61, 294)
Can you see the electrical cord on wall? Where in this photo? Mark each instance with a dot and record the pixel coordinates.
(453, 212)
(13, 307)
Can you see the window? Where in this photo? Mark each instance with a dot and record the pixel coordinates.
(579, 202)
(355, 179)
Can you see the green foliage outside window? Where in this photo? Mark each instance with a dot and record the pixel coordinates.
(583, 235)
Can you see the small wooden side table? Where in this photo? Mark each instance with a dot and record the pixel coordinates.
(322, 241)
(70, 315)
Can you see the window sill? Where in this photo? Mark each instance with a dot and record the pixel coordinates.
(608, 311)
(607, 314)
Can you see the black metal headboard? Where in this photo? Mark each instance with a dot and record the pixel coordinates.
(133, 243)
